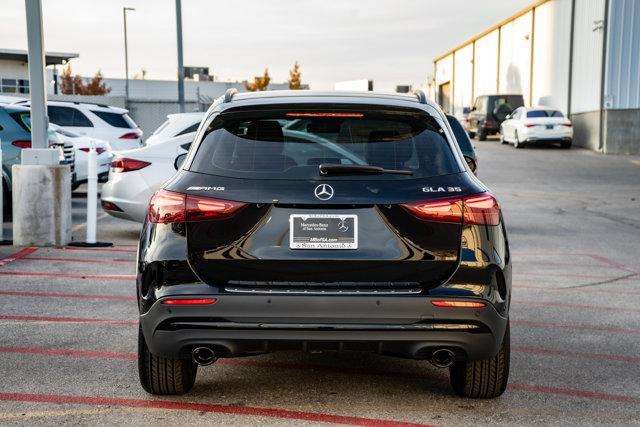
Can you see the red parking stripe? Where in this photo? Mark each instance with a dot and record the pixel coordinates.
(20, 254)
(577, 354)
(67, 320)
(579, 276)
(69, 352)
(62, 295)
(74, 248)
(202, 407)
(535, 388)
(581, 290)
(578, 306)
(97, 261)
(569, 326)
(71, 276)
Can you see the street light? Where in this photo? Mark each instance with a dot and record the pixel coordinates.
(126, 53)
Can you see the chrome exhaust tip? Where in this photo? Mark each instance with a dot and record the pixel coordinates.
(203, 356)
(442, 358)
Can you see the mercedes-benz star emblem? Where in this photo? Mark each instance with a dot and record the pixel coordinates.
(323, 191)
(342, 226)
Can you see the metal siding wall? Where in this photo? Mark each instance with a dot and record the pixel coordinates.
(462, 79)
(486, 65)
(587, 56)
(623, 59)
(551, 54)
(515, 57)
(444, 74)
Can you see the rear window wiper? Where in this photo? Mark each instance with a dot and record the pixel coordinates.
(333, 169)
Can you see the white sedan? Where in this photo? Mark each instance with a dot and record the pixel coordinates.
(533, 125)
(81, 146)
(136, 174)
(176, 125)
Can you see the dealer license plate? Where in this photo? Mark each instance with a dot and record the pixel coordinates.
(323, 231)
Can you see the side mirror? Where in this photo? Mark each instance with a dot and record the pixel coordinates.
(471, 163)
(177, 163)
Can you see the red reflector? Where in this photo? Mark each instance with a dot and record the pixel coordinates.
(325, 115)
(530, 125)
(466, 304)
(122, 164)
(167, 206)
(202, 208)
(131, 135)
(99, 150)
(22, 144)
(108, 206)
(448, 210)
(193, 301)
(480, 209)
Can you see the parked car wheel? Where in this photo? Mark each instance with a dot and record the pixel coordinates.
(502, 140)
(472, 135)
(163, 375)
(483, 378)
(516, 141)
(565, 144)
(482, 135)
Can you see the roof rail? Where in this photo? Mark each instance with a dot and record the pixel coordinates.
(228, 95)
(422, 97)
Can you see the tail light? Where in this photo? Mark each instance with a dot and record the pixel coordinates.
(22, 144)
(99, 150)
(167, 207)
(482, 209)
(131, 135)
(123, 164)
(530, 125)
(566, 124)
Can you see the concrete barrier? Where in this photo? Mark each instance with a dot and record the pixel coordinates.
(41, 205)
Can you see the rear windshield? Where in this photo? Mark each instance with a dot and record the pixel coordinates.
(116, 119)
(292, 144)
(544, 113)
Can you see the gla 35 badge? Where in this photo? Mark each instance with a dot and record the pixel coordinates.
(441, 189)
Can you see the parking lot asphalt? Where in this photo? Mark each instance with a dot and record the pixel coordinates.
(68, 324)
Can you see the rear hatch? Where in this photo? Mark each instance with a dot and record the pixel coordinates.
(337, 199)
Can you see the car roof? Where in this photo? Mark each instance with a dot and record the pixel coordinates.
(186, 116)
(14, 107)
(89, 105)
(353, 95)
(542, 107)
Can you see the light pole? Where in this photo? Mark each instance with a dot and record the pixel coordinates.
(126, 54)
(180, 63)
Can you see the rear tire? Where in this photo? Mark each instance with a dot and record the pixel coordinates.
(472, 135)
(516, 141)
(162, 375)
(502, 140)
(482, 135)
(565, 144)
(483, 379)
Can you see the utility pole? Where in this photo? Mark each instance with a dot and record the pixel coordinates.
(126, 54)
(180, 62)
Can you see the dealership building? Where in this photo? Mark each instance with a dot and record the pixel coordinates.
(579, 56)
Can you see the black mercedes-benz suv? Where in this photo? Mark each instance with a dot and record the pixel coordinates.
(324, 222)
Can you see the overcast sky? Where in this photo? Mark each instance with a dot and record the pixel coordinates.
(390, 41)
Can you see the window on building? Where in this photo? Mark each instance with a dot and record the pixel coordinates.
(9, 85)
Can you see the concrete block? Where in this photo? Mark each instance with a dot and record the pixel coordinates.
(41, 205)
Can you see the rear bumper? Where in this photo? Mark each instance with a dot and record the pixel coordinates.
(239, 325)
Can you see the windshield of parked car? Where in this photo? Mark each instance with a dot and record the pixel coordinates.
(274, 143)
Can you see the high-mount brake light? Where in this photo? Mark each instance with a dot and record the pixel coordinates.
(168, 207)
(481, 209)
(123, 164)
(190, 301)
(99, 150)
(463, 304)
(131, 135)
(352, 115)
